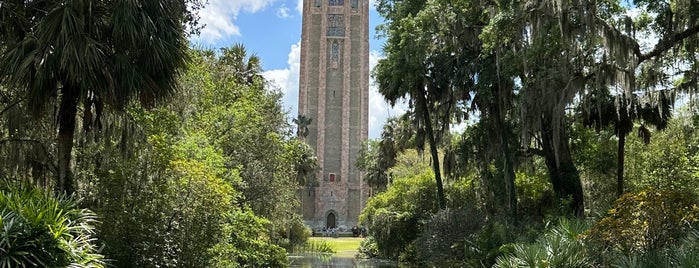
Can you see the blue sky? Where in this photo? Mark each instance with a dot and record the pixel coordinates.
(272, 30)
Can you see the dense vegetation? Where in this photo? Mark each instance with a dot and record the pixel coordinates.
(579, 146)
(122, 146)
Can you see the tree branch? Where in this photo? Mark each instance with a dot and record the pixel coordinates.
(666, 43)
(19, 140)
(527, 152)
(12, 105)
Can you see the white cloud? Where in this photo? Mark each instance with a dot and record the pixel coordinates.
(283, 12)
(299, 6)
(288, 80)
(219, 16)
(379, 109)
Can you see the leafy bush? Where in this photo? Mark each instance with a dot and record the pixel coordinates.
(368, 248)
(246, 243)
(447, 240)
(669, 162)
(173, 203)
(40, 230)
(534, 192)
(560, 246)
(293, 234)
(647, 221)
(395, 217)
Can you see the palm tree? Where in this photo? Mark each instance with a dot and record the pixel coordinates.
(306, 166)
(302, 122)
(245, 68)
(79, 51)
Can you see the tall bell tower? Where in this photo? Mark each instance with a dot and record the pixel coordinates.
(333, 92)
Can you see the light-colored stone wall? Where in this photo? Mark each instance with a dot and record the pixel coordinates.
(333, 91)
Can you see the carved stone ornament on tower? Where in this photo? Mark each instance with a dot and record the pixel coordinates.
(336, 2)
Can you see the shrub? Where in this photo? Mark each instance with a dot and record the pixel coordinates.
(447, 238)
(246, 243)
(647, 221)
(41, 230)
(293, 234)
(368, 248)
(558, 247)
(395, 217)
(535, 195)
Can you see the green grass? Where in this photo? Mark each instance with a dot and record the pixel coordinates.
(343, 246)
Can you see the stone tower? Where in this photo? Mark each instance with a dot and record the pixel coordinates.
(333, 92)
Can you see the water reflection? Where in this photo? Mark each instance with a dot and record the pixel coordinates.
(329, 261)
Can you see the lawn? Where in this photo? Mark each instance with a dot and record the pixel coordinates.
(343, 246)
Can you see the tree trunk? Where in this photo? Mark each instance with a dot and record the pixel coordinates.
(507, 169)
(505, 191)
(623, 128)
(562, 171)
(620, 165)
(66, 130)
(507, 163)
(433, 149)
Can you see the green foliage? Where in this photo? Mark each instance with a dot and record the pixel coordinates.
(559, 246)
(42, 230)
(368, 248)
(409, 163)
(447, 240)
(171, 179)
(646, 221)
(247, 244)
(167, 204)
(244, 120)
(685, 254)
(92, 55)
(403, 226)
(536, 198)
(668, 162)
(395, 217)
(294, 233)
(375, 158)
(595, 154)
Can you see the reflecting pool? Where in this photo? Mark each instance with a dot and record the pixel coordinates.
(329, 261)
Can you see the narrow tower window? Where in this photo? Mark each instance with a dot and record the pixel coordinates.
(335, 54)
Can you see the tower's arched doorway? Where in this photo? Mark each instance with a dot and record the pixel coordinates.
(330, 220)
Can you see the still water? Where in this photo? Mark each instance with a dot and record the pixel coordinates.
(329, 261)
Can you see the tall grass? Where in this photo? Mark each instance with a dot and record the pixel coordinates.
(314, 246)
